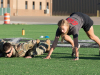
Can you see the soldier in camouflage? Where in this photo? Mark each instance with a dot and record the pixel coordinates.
(28, 49)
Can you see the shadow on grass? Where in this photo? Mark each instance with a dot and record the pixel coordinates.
(64, 55)
(97, 55)
(56, 55)
(92, 58)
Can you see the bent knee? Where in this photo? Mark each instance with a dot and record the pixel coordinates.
(92, 37)
(62, 36)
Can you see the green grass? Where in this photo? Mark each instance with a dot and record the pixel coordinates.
(31, 31)
(35, 31)
(61, 62)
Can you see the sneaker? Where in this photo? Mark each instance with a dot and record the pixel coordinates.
(73, 53)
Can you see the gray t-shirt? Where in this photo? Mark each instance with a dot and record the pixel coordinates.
(75, 22)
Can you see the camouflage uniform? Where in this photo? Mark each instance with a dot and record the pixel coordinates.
(29, 48)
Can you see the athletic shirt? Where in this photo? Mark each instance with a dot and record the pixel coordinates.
(75, 24)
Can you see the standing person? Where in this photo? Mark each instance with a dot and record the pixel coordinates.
(28, 49)
(71, 26)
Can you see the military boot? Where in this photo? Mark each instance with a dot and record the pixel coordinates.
(38, 42)
(48, 43)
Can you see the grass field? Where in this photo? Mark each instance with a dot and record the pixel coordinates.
(61, 62)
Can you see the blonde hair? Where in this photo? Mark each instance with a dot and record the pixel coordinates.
(61, 23)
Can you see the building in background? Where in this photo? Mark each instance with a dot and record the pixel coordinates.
(26, 7)
(49, 7)
(66, 7)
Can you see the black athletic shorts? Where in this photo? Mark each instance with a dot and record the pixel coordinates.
(87, 21)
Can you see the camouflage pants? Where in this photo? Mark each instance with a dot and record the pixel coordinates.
(41, 49)
(25, 49)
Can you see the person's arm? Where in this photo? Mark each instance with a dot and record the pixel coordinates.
(76, 47)
(52, 47)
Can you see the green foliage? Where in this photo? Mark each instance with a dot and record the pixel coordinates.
(61, 62)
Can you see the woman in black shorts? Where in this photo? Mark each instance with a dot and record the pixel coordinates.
(71, 26)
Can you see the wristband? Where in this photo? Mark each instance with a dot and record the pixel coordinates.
(48, 55)
(77, 57)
